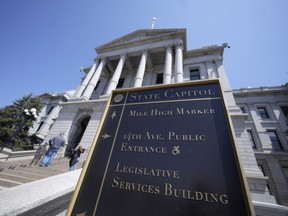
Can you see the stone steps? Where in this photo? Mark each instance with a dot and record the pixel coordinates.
(22, 173)
(15, 178)
(13, 173)
(55, 167)
(5, 183)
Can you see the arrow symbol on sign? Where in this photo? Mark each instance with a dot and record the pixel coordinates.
(105, 136)
(113, 115)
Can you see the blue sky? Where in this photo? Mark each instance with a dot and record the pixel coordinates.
(44, 43)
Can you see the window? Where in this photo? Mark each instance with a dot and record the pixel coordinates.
(276, 145)
(40, 125)
(120, 83)
(97, 85)
(263, 112)
(243, 109)
(284, 110)
(251, 138)
(194, 74)
(159, 79)
(261, 167)
(50, 110)
(285, 171)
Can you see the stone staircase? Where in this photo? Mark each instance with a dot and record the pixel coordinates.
(13, 173)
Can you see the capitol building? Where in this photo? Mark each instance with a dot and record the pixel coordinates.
(152, 57)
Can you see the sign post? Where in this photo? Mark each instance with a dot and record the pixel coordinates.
(164, 150)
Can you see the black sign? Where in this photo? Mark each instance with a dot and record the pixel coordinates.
(165, 150)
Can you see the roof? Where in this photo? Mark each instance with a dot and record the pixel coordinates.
(143, 36)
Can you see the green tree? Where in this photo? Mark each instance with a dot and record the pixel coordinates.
(14, 124)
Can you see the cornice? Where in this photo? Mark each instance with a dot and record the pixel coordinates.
(152, 36)
(283, 89)
(208, 50)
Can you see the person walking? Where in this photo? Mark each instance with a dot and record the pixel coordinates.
(75, 157)
(55, 144)
(39, 154)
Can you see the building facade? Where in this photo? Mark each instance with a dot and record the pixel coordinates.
(266, 112)
(160, 56)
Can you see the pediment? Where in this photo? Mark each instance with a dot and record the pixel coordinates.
(141, 36)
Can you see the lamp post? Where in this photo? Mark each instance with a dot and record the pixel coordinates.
(29, 115)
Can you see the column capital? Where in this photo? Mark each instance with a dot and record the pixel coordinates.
(123, 55)
(96, 59)
(145, 51)
(179, 44)
(169, 46)
(102, 58)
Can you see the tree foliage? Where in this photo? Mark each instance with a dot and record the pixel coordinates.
(14, 125)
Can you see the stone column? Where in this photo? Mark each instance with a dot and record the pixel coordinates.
(168, 66)
(87, 78)
(116, 76)
(141, 69)
(93, 82)
(44, 130)
(178, 63)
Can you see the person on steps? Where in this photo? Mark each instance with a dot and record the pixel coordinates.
(55, 144)
(75, 157)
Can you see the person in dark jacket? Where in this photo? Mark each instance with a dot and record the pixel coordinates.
(55, 144)
(75, 157)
